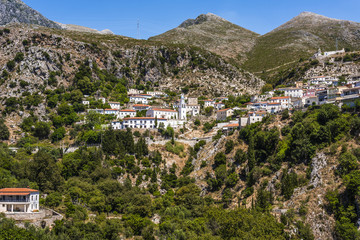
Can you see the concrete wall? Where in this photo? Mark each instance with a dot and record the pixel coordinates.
(26, 216)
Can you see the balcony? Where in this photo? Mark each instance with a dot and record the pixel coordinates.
(15, 201)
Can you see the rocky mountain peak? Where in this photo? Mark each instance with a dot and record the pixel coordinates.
(201, 19)
(16, 11)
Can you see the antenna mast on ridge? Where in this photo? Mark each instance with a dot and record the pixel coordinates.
(138, 29)
(336, 44)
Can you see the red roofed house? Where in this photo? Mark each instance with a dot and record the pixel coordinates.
(162, 113)
(22, 200)
(230, 127)
(224, 114)
(284, 101)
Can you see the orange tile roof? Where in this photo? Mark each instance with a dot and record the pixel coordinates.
(17, 191)
(141, 105)
(274, 98)
(232, 125)
(163, 110)
(224, 109)
(209, 100)
(127, 110)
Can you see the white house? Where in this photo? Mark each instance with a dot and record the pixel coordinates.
(114, 105)
(162, 113)
(230, 127)
(273, 107)
(257, 116)
(133, 91)
(209, 103)
(19, 200)
(139, 122)
(284, 101)
(156, 94)
(328, 80)
(126, 113)
(292, 92)
(224, 114)
(85, 102)
(111, 111)
(138, 99)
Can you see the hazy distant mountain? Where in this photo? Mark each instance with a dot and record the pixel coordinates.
(212, 33)
(301, 37)
(72, 27)
(15, 11)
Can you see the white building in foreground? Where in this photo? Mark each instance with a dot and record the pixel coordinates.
(19, 200)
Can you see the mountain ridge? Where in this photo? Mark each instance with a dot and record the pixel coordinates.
(16, 11)
(213, 33)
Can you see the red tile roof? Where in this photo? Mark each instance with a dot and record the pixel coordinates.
(127, 110)
(16, 191)
(141, 105)
(274, 98)
(232, 125)
(223, 110)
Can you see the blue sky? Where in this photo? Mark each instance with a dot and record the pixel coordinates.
(158, 16)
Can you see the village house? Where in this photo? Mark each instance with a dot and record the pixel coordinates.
(327, 80)
(111, 111)
(139, 122)
(114, 105)
(133, 91)
(156, 94)
(284, 101)
(292, 92)
(19, 200)
(209, 103)
(85, 102)
(230, 127)
(138, 99)
(223, 114)
(126, 113)
(162, 113)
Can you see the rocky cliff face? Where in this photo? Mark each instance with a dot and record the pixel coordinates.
(15, 11)
(48, 51)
